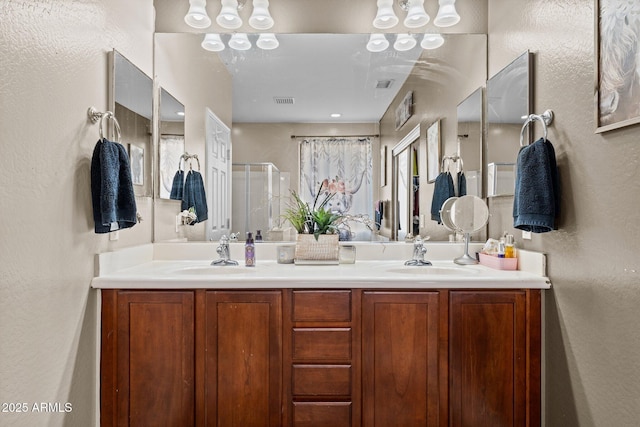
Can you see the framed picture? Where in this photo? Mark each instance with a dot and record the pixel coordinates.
(136, 158)
(383, 166)
(433, 151)
(171, 149)
(404, 110)
(617, 64)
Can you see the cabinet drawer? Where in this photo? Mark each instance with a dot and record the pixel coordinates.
(322, 414)
(322, 344)
(321, 306)
(321, 380)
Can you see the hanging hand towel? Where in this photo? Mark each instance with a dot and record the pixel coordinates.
(462, 184)
(442, 190)
(194, 196)
(536, 201)
(112, 197)
(177, 189)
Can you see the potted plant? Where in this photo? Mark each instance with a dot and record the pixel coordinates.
(317, 240)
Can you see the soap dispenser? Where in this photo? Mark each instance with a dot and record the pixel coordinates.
(249, 251)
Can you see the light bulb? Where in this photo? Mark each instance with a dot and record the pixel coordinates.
(377, 43)
(240, 41)
(212, 42)
(404, 42)
(197, 16)
(447, 14)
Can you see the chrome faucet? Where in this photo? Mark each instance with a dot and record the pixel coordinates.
(418, 253)
(223, 251)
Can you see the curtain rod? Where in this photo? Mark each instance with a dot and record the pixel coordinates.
(334, 136)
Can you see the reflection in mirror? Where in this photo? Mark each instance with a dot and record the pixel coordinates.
(469, 139)
(263, 115)
(171, 142)
(131, 99)
(508, 105)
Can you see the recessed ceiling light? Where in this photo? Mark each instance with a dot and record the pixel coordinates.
(336, 115)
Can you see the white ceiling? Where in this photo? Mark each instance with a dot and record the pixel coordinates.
(323, 73)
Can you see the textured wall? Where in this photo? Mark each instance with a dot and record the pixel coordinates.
(592, 339)
(54, 67)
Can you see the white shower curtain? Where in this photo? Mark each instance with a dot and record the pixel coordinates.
(345, 166)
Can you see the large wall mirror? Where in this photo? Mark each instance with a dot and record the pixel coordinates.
(508, 105)
(131, 99)
(470, 137)
(268, 119)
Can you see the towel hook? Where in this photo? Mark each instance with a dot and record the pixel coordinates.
(545, 118)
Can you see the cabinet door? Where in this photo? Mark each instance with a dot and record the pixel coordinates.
(494, 370)
(243, 362)
(400, 359)
(148, 358)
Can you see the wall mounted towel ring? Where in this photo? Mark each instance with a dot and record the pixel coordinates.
(545, 118)
(95, 116)
(187, 156)
(456, 159)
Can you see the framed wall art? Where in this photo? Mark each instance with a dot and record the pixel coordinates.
(433, 151)
(617, 60)
(404, 110)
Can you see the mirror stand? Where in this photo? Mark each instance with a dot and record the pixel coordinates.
(466, 259)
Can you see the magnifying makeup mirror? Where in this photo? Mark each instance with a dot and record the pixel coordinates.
(466, 214)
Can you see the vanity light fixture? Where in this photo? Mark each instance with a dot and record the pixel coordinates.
(386, 17)
(267, 41)
(432, 41)
(377, 43)
(240, 41)
(212, 43)
(416, 15)
(197, 16)
(228, 16)
(447, 14)
(404, 42)
(260, 17)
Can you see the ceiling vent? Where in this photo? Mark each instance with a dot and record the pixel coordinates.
(384, 84)
(284, 100)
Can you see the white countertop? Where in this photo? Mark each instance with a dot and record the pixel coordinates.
(193, 274)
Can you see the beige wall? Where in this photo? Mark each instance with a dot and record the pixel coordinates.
(592, 338)
(54, 67)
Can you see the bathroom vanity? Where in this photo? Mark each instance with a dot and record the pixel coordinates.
(370, 343)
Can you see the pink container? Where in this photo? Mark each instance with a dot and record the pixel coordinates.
(499, 263)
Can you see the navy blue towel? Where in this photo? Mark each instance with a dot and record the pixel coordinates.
(536, 202)
(112, 197)
(462, 184)
(194, 196)
(177, 189)
(442, 190)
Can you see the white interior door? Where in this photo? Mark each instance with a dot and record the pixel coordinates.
(218, 146)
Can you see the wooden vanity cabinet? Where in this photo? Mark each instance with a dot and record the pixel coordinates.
(322, 358)
(191, 358)
(243, 358)
(402, 362)
(495, 358)
(148, 360)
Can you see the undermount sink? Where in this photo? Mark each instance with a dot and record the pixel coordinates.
(431, 270)
(218, 270)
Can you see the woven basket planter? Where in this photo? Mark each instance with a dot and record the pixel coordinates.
(325, 250)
